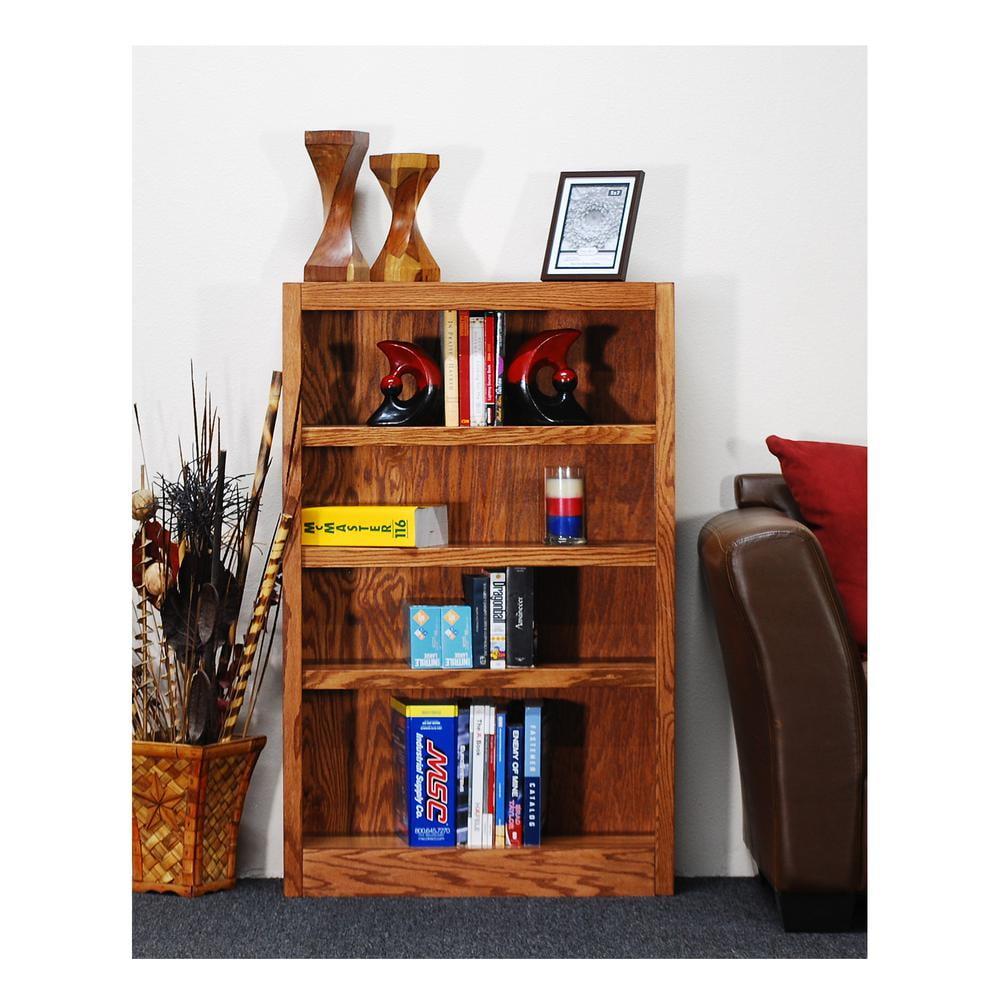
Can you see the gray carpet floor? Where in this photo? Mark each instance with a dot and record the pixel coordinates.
(707, 918)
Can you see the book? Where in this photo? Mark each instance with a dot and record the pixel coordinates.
(477, 595)
(532, 773)
(463, 772)
(423, 636)
(456, 636)
(489, 784)
(489, 369)
(424, 739)
(449, 365)
(520, 616)
(500, 780)
(514, 790)
(375, 525)
(477, 395)
(498, 619)
(463, 368)
(477, 736)
(501, 346)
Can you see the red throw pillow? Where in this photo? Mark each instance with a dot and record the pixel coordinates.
(830, 485)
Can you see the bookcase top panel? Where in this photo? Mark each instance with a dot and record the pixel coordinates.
(478, 295)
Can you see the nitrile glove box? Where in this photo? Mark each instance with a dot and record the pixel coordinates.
(423, 636)
(456, 636)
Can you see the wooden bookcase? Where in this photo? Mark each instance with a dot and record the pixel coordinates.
(605, 611)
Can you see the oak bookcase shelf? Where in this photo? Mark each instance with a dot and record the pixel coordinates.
(605, 610)
(346, 676)
(493, 437)
(596, 554)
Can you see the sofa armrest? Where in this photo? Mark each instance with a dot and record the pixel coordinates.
(798, 699)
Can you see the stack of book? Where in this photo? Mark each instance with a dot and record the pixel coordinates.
(469, 775)
(494, 628)
(472, 349)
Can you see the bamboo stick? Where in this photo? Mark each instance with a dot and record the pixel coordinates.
(260, 610)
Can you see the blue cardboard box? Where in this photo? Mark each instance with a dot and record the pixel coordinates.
(423, 629)
(424, 736)
(456, 636)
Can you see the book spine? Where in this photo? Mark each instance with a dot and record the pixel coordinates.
(477, 401)
(520, 616)
(404, 777)
(515, 785)
(477, 725)
(489, 368)
(463, 772)
(464, 358)
(498, 620)
(532, 774)
(500, 782)
(489, 789)
(449, 365)
(501, 346)
(477, 596)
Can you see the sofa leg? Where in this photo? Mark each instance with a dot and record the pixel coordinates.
(827, 912)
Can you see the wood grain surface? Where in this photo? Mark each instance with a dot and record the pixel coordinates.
(570, 866)
(404, 178)
(591, 613)
(337, 158)
(399, 677)
(481, 295)
(481, 437)
(493, 495)
(592, 554)
(665, 589)
(291, 586)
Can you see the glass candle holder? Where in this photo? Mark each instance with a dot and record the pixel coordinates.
(564, 521)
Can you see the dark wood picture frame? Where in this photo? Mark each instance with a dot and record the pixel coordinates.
(619, 273)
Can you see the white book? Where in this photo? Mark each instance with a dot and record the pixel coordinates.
(489, 817)
(498, 620)
(477, 371)
(477, 759)
(449, 365)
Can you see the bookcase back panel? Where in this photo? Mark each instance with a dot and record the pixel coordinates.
(492, 494)
(600, 757)
(341, 365)
(584, 613)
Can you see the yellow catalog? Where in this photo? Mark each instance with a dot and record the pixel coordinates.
(407, 527)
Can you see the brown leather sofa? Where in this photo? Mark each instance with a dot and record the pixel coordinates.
(798, 692)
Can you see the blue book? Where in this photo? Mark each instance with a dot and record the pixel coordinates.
(423, 742)
(532, 773)
(500, 782)
(477, 596)
(514, 790)
(462, 775)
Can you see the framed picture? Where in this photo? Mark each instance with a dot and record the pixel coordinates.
(592, 225)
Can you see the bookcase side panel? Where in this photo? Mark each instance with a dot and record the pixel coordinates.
(665, 572)
(291, 460)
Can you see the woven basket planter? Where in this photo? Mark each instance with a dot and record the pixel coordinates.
(186, 808)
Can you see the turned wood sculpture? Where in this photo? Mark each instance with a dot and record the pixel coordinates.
(337, 159)
(526, 402)
(404, 178)
(425, 408)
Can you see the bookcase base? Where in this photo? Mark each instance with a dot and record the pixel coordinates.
(604, 865)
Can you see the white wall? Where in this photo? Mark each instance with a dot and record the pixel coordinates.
(754, 204)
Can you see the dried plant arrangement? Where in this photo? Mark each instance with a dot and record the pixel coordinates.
(191, 669)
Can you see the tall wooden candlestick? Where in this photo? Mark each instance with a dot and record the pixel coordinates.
(337, 158)
(404, 178)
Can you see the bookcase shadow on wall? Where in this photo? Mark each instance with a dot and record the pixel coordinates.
(605, 610)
